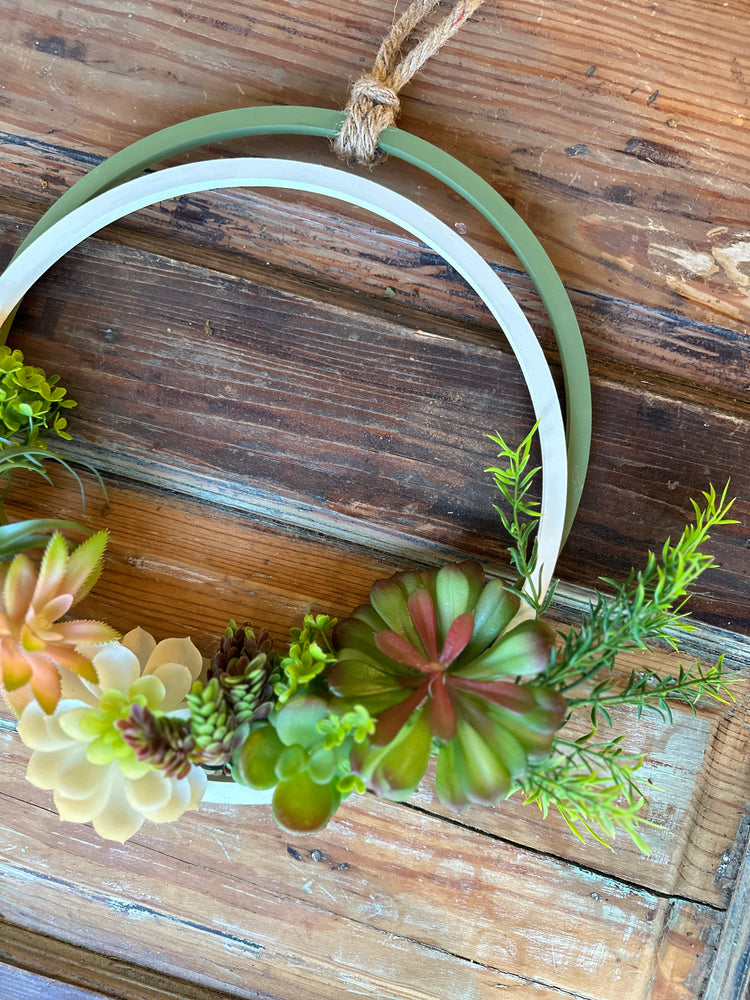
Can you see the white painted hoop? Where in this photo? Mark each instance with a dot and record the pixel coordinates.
(294, 175)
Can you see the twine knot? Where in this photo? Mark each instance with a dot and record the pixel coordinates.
(373, 106)
(374, 103)
(367, 88)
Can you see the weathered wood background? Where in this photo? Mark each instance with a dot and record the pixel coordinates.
(289, 399)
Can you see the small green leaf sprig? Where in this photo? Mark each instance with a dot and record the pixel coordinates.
(592, 784)
(303, 750)
(31, 406)
(29, 401)
(310, 652)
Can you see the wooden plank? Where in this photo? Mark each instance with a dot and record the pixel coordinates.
(380, 897)
(233, 568)
(38, 966)
(248, 234)
(627, 168)
(621, 135)
(22, 985)
(730, 973)
(290, 423)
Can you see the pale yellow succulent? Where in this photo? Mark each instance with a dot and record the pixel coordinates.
(79, 752)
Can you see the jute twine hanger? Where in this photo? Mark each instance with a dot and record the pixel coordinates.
(374, 103)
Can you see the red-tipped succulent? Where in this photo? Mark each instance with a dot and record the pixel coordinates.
(432, 657)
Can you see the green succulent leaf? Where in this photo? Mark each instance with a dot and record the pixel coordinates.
(300, 805)
(494, 610)
(254, 764)
(322, 766)
(396, 770)
(522, 652)
(457, 588)
(388, 598)
(296, 723)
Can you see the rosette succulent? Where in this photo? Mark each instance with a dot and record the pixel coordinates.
(435, 658)
(35, 645)
(81, 752)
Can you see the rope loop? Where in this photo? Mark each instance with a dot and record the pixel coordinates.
(374, 102)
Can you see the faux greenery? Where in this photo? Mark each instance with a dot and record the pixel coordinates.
(442, 663)
(593, 784)
(30, 403)
(31, 407)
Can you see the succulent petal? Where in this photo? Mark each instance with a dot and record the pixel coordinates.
(493, 612)
(117, 669)
(254, 763)
(398, 648)
(85, 565)
(78, 778)
(51, 573)
(140, 642)
(301, 806)
(442, 711)
(65, 656)
(185, 793)
(181, 651)
(450, 777)
(458, 586)
(389, 601)
(45, 683)
(16, 667)
(86, 633)
(485, 776)
(149, 793)
(393, 719)
(352, 638)
(117, 819)
(18, 588)
(399, 769)
(176, 680)
(521, 652)
(514, 697)
(457, 638)
(296, 723)
(422, 612)
(78, 810)
(367, 682)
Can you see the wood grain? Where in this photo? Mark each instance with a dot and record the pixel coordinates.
(382, 888)
(629, 145)
(269, 400)
(249, 233)
(64, 972)
(320, 387)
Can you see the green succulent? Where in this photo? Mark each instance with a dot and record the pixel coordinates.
(435, 657)
(303, 753)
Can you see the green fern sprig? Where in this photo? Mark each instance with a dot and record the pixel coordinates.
(514, 480)
(592, 787)
(645, 689)
(646, 607)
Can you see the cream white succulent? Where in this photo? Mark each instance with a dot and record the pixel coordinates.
(79, 752)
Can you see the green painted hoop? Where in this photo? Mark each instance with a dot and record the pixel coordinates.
(276, 120)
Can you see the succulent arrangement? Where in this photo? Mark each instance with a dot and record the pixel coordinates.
(440, 663)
